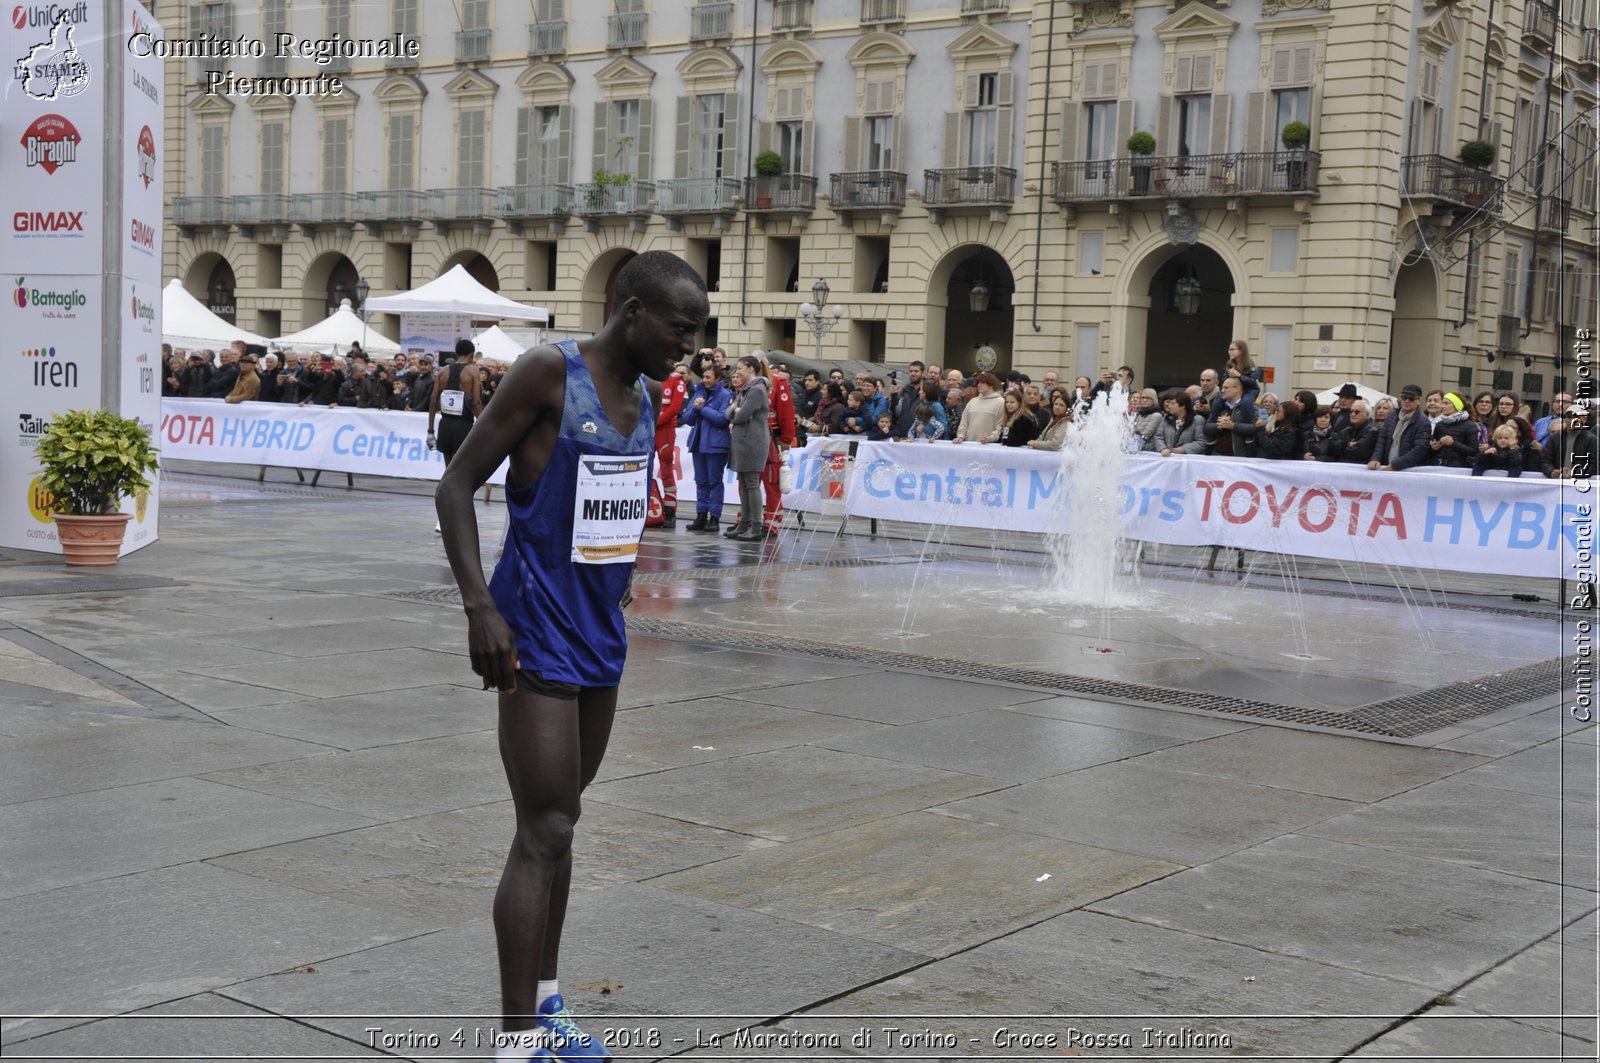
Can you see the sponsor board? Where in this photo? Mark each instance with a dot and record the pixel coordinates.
(50, 142)
(54, 69)
(54, 301)
(144, 155)
(31, 428)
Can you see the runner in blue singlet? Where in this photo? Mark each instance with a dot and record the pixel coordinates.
(577, 421)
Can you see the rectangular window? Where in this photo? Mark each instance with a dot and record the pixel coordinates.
(1087, 347)
(271, 176)
(274, 20)
(792, 146)
(1100, 137)
(708, 116)
(547, 145)
(625, 136)
(1278, 352)
(474, 14)
(1285, 250)
(983, 122)
(1474, 277)
(339, 17)
(1292, 105)
(402, 151)
(1091, 251)
(336, 154)
(471, 136)
(880, 142)
(1510, 286)
(1194, 125)
(213, 178)
(403, 17)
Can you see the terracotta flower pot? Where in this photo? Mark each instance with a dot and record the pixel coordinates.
(92, 540)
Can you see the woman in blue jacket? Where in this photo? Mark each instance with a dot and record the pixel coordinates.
(706, 412)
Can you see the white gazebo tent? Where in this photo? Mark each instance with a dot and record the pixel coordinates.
(456, 293)
(1372, 395)
(497, 346)
(336, 332)
(186, 323)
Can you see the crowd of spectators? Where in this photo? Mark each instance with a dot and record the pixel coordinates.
(1226, 412)
(244, 373)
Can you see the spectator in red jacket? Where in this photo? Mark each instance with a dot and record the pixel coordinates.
(673, 391)
(780, 420)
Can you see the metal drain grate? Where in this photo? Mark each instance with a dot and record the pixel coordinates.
(31, 588)
(1405, 716)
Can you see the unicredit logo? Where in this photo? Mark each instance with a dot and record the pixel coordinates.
(47, 221)
(49, 14)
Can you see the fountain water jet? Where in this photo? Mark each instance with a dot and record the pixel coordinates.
(1091, 559)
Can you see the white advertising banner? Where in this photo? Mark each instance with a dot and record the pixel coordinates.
(1420, 518)
(434, 334)
(51, 330)
(52, 157)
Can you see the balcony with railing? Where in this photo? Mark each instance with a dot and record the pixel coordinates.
(865, 191)
(272, 65)
(711, 20)
(472, 46)
(1445, 180)
(631, 200)
(1554, 215)
(627, 30)
(1590, 48)
(969, 189)
(1250, 173)
(311, 209)
(682, 197)
(337, 64)
(465, 206)
(521, 204)
(547, 38)
(259, 209)
(201, 210)
(985, 7)
(1540, 25)
(784, 193)
(791, 15)
(395, 206)
(400, 62)
(879, 12)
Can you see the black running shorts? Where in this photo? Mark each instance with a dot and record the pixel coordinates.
(451, 434)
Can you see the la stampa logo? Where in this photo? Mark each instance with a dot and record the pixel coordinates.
(51, 142)
(53, 69)
(146, 152)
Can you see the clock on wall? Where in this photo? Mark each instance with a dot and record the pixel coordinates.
(988, 358)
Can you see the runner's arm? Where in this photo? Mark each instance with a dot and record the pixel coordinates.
(653, 387)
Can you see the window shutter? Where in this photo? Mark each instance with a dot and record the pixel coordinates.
(1302, 64)
(226, 17)
(1124, 127)
(1005, 89)
(680, 159)
(1166, 122)
(524, 165)
(953, 155)
(1414, 127)
(766, 137)
(602, 136)
(1070, 149)
(1091, 80)
(1312, 117)
(1219, 122)
(1430, 79)
(271, 177)
(1002, 135)
(730, 134)
(1586, 169)
(1182, 74)
(969, 94)
(1282, 68)
(854, 131)
(647, 111)
(1201, 80)
(869, 105)
(564, 144)
(1255, 122)
(897, 158)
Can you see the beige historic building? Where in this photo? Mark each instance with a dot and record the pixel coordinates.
(928, 148)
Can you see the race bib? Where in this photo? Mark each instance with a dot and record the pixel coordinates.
(453, 402)
(612, 496)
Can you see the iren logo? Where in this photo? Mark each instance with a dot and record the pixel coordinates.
(50, 370)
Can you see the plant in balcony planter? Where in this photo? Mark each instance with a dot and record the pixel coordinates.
(768, 164)
(1141, 146)
(90, 461)
(1295, 137)
(1478, 154)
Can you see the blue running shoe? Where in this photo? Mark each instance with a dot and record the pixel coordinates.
(568, 1044)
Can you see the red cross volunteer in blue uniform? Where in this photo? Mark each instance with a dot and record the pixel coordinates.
(577, 422)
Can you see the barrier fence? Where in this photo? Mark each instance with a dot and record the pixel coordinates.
(1422, 518)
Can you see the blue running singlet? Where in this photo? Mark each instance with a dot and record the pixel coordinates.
(572, 537)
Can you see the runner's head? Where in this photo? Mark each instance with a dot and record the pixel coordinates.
(465, 351)
(662, 304)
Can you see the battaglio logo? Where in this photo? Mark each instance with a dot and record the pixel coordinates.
(146, 156)
(143, 311)
(25, 297)
(50, 143)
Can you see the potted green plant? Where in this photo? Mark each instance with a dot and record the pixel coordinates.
(1480, 155)
(90, 461)
(769, 164)
(1295, 137)
(1141, 146)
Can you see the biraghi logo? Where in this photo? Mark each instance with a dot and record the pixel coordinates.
(145, 156)
(50, 143)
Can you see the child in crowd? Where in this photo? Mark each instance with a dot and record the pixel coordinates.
(854, 422)
(883, 430)
(1505, 452)
(926, 428)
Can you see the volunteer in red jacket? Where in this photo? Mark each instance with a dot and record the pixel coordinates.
(673, 392)
(780, 419)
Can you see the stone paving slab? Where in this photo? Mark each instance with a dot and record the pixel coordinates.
(351, 673)
(1460, 821)
(1000, 744)
(1170, 723)
(1133, 807)
(1108, 979)
(919, 881)
(204, 1026)
(1426, 921)
(130, 942)
(1554, 769)
(62, 841)
(1515, 735)
(1551, 985)
(790, 793)
(1354, 769)
(362, 721)
(210, 694)
(132, 751)
(635, 935)
(387, 782)
(894, 697)
(300, 640)
(692, 732)
(1452, 1035)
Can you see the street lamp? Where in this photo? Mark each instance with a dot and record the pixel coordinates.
(819, 317)
(1186, 297)
(362, 291)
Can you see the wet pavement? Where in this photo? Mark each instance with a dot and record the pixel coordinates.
(869, 796)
